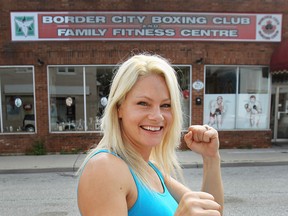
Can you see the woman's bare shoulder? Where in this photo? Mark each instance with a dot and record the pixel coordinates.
(104, 165)
(104, 182)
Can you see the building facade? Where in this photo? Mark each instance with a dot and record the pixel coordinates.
(57, 59)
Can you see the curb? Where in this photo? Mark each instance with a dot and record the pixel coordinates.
(239, 164)
(184, 166)
(40, 170)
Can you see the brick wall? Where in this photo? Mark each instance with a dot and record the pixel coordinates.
(101, 52)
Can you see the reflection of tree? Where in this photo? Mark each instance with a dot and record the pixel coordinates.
(104, 78)
(220, 80)
(229, 87)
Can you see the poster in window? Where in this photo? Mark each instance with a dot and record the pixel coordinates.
(219, 111)
(252, 111)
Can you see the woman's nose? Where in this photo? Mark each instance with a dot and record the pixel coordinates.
(156, 114)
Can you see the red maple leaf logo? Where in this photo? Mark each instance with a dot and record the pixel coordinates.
(269, 28)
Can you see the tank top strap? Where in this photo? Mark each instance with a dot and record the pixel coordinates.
(131, 170)
(105, 151)
(157, 171)
(137, 181)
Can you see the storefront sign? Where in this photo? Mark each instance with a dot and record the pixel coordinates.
(153, 26)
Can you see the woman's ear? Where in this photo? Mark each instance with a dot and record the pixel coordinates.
(119, 111)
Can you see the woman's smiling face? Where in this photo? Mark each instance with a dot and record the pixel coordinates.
(146, 113)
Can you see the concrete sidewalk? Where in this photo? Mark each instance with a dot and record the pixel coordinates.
(188, 159)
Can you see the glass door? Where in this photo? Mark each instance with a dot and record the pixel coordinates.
(279, 113)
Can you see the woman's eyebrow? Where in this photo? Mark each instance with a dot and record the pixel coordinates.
(148, 98)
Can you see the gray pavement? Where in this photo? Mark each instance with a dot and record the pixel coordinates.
(188, 159)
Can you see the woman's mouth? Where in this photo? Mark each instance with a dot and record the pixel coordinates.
(152, 128)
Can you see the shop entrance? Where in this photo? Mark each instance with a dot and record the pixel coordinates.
(279, 114)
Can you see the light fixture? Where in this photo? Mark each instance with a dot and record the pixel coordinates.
(40, 62)
(199, 61)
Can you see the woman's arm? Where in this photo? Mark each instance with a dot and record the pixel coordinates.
(192, 203)
(104, 186)
(212, 180)
(204, 141)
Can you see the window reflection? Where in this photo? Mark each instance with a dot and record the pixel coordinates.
(17, 96)
(253, 80)
(183, 75)
(73, 107)
(244, 94)
(86, 105)
(66, 98)
(220, 80)
(98, 80)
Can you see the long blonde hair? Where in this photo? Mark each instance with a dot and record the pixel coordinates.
(163, 155)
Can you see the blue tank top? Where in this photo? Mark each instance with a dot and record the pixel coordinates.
(150, 202)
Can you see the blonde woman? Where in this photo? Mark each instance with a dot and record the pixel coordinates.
(130, 171)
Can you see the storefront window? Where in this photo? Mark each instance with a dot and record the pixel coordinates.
(98, 80)
(253, 98)
(183, 74)
(236, 97)
(17, 96)
(66, 98)
(74, 107)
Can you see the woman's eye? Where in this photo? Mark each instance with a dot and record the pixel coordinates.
(166, 105)
(142, 103)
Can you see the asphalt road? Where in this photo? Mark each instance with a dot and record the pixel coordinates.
(249, 191)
